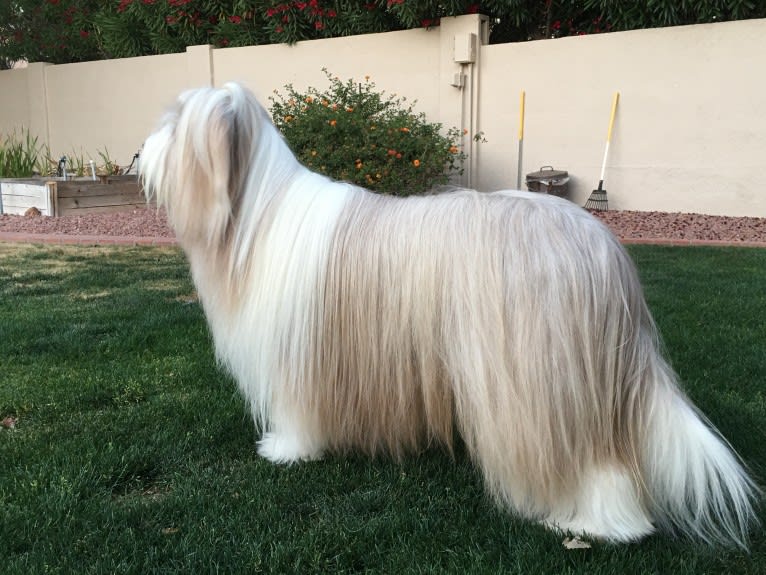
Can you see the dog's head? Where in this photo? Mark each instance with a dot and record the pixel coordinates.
(197, 162)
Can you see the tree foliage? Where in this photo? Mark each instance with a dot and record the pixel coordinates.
(59, 31)
(51, 31)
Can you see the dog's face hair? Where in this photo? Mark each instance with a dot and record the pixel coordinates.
(198, 162)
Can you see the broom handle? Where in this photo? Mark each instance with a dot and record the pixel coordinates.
(609, 137)
(521, 137)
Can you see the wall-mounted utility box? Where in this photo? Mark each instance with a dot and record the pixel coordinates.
(465, 48)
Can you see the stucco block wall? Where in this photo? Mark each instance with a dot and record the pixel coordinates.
(690, 132)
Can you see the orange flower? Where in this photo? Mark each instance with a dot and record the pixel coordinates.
(453, 149)
(335, 106)
(405, 130)
(416, 163)
(288, 118)
(325, 103)
(349, 109)
(333, 122)
(398, 156)
(391, 152)
(313, 152)
(465, 131)
(309, 100)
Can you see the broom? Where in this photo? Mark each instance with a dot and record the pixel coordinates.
(597, 199)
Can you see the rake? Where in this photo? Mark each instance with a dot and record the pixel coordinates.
(522, 99)
(597, 199)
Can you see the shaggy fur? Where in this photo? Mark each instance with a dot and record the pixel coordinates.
(357, 321)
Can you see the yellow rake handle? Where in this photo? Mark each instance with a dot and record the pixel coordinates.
(521, 115)
(521, 138)
(608, 138)
(611, 118)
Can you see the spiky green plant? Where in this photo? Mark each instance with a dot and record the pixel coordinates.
(19, 154)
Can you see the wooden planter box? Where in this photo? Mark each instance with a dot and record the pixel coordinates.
(58, 197)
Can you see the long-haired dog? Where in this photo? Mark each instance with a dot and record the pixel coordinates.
(515, 321)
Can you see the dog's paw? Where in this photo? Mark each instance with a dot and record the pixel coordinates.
(286, 449)
(607, 507)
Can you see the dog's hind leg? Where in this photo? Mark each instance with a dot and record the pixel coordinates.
(607, 506)
(287, 447)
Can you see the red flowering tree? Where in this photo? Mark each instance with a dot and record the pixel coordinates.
(74, 30)
(139, 27)
(290, 21)
(54, 31)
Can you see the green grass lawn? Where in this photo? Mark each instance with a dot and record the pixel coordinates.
(133, 453)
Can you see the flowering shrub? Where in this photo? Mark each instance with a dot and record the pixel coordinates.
(354, 133)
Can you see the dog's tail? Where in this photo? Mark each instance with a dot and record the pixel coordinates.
(696, 483)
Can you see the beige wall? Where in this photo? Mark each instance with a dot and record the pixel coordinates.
(110, 104)
(415, 64)
(405, 66)
(14, 106)
(690, 132)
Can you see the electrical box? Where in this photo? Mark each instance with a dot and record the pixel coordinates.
(465, 48)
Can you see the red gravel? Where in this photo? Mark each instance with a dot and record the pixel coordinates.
(139, 222)
(628, 226)
(632, 226)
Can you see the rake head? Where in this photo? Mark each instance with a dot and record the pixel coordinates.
(597, 201)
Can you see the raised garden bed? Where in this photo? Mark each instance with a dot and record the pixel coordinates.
(59, 197)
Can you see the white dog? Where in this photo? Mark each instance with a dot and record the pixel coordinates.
(357, 321)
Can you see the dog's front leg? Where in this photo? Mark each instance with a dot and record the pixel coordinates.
(292, 436)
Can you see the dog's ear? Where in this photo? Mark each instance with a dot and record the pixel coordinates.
(207, 152)
(234, 138)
